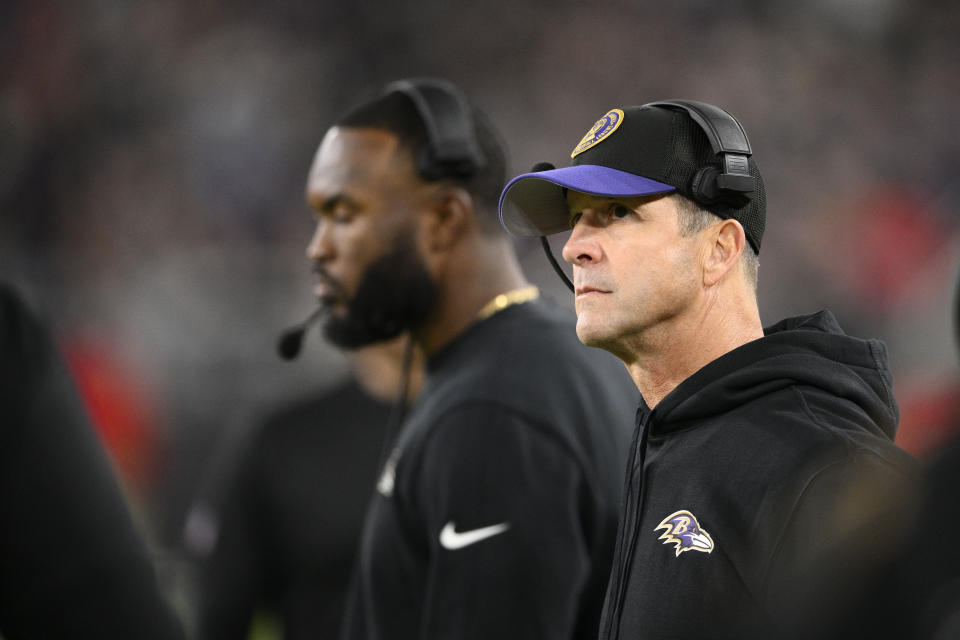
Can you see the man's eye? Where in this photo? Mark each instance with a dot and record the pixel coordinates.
(574, 219)
(620, 211)
(342, 216)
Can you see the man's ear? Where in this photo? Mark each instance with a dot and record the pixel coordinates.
(726, 243)
(448, 218)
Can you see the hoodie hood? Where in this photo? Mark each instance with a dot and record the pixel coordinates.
(810, 350)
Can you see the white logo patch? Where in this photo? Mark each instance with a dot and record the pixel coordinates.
(451, 539)
(389, 474)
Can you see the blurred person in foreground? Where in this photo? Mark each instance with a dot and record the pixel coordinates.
(494, 514)
(914, 586)
(71, 562)
(755, 447)
(276, 536)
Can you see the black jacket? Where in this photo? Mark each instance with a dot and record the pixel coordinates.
(495, 517)
(743, 477)
(71, 562)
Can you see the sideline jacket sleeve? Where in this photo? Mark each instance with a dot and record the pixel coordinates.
(850, 516)
(504, 506)
(71, 562)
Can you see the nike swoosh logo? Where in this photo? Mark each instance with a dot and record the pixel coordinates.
(451, 539)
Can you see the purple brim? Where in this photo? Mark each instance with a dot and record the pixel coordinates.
(533, 204)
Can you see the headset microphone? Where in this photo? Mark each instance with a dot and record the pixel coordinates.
(546, 166)
(291, 340)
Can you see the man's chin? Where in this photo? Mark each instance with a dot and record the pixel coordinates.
(593, 331)
(590, 334)
(341, 334)
(346, 331)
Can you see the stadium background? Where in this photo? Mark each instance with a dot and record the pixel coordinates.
(153, 159)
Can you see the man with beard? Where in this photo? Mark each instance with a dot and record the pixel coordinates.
(495, 511)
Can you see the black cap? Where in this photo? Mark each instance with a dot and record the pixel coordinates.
(682, 146)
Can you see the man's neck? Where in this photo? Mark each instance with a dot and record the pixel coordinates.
(670, 354)
(463, 290)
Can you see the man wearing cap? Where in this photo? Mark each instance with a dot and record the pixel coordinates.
(754, 447)
(494, 514)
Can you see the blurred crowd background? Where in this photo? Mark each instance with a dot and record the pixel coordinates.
(153, 157)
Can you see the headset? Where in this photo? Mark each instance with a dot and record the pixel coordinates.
(729, 141)
(452, 150)
(709, 185)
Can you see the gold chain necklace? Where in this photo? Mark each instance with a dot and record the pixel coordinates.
(508, 299)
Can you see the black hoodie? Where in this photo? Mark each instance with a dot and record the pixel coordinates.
(743, 479)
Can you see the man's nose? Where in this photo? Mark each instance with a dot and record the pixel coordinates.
(582, 246)
(320, 248)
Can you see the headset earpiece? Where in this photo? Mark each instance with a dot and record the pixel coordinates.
(703, 185)
(732, 181)
(427, 166)
(451, 149)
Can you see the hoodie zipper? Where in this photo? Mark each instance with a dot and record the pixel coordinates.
(629, 527)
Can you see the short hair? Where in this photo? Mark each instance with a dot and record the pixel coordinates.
(692, 219)
(396, 113)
